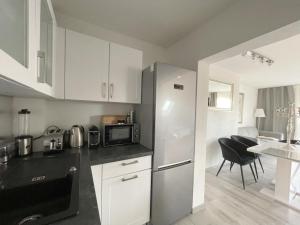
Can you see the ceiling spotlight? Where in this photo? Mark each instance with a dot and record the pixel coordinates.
(256, 56)
(269, 62)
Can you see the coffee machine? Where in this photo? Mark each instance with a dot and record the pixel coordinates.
(24, 139)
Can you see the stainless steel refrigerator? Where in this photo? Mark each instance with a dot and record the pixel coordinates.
(167, 118)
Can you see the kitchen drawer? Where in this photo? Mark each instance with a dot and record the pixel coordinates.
(119, 168)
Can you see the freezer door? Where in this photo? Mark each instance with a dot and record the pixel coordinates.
(174, 115)
(172, 194)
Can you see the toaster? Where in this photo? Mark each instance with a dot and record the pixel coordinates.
(7, 150)
(54, 139)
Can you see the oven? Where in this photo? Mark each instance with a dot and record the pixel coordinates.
(120, 134)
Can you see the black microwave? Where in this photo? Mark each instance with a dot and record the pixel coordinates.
(120, 134)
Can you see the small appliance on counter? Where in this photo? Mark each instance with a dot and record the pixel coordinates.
(24, 139)
(53, 138)
(7, 150)
(93, 137)
(76, 136)
(115, 131)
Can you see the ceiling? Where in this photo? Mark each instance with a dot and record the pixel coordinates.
(284, 71)
(161, 22)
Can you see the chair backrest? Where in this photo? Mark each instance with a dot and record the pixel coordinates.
(244, 140)
(248, 132)
(229, 149)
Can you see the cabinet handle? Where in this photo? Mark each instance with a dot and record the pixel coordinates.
(111, 90)
(41, 66)
(131, 178)
(104, 89)
(130, 163)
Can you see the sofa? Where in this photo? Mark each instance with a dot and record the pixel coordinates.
(252, 133)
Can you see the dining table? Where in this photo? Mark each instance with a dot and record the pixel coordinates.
(287, 170)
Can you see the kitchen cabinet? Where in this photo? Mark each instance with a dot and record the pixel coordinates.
(18, 41)
(106, 71)
(125, 74)
(126, 199)
(46, 45)
(20, 22)
(97, 178)
(14, 28)
(123, 191)
(60, 63)
(86, 71)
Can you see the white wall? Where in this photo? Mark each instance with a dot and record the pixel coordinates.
(151, 52)
(239, 23)
(250, 104)
(5, 116)
(63, 113)
(200, 135)
(221, 123)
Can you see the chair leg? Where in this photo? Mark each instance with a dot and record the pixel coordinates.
(221, 167)
(242, 176)
(231, 165)
(255, 169)
(261, 164)
(252, 172)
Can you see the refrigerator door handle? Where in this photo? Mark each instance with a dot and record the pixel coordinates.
(169, 166)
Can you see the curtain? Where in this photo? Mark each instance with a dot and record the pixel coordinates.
(271, 99)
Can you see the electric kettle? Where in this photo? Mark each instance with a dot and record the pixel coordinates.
(76, 136)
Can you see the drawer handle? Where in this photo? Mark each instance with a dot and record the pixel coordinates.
(131, 178)
(130, 163)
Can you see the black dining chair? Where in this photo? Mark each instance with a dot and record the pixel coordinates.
(235, 152)
(249, 143)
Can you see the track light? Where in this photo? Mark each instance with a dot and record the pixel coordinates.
(256, 56)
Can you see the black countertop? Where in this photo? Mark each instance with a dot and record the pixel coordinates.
(88, 210)
(104, 155)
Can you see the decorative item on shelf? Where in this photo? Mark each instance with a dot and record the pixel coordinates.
(290, 129)
(241, 107)
(284, 112)
(259, 57)
(259, 113)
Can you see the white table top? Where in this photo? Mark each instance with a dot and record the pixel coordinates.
(278, 149)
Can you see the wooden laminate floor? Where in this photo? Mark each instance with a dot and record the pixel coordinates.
(226, 203)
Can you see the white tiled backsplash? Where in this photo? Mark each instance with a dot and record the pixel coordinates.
(5, 116)
(45, 112)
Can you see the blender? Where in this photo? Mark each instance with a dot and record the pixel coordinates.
(24, 139)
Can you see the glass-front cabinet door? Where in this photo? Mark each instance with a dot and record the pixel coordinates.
(14, 29)
(45, 53)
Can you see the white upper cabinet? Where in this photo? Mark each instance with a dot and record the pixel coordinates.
(125, 73)
(18, 41)
(60, 63)
(14, 29)
(86, 72)
(45, 29)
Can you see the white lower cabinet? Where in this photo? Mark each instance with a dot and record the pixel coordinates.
(97, 178)
(126, 199)
(123, 199)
